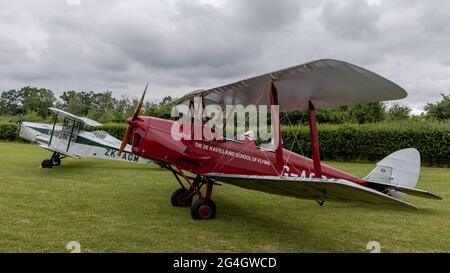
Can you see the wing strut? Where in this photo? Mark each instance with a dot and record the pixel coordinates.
(275, 116)
(314, 140)
(53, 129)
(70, 137)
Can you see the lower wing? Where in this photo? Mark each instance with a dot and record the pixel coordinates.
(53, 149)
(311, 188)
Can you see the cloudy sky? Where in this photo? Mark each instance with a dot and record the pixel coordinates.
(179, 46)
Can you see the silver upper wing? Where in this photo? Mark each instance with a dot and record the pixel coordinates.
(70, 116)
(324, 82)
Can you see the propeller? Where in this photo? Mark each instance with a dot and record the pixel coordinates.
(126, 137)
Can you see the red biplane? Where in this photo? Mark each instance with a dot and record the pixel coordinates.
(316, 84)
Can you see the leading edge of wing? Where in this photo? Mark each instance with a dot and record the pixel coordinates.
(311, 188)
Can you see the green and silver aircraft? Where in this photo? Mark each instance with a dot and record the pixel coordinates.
(70, 140)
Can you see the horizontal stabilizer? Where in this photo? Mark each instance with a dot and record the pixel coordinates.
(312, 188)
(410, 191)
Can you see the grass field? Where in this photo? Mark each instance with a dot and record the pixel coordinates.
(118, 207)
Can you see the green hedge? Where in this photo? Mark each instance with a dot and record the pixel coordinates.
(351, 142)
(372, 142)
(117, 130)
(9, 131)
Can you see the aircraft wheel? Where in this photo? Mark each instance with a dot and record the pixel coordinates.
(179, 199)
(47, 164)
(203, 209)
(56, 161)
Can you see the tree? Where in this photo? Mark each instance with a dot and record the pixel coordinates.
(102, 106)
(78, 103)
(36, 100)
(160, 110)
(10, 103)
(439, 110)
(75, 106)
(398, 112)
(103, 102)
(66, 97)
(333, 115)
(368, 112)
(123, 109)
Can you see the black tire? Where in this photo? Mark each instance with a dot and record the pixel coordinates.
(56, 161)
(203, 209)
(47, 164)
(179, 199)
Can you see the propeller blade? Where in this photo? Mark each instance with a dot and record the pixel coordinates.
(126, 137)
(139, 106)
(125, 140)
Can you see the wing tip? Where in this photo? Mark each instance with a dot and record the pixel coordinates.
(435, 196)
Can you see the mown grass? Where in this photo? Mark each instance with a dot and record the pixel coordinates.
(118, 207)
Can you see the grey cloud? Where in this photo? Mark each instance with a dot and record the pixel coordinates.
(9, 48)
(199, 35)
(435, 19)
(350, 19)
(267, 15)
(183, 45)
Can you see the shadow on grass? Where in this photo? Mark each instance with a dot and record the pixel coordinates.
(428, 211)
(276, 228)
(79, 164)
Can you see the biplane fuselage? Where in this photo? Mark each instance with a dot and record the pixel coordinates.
(153, 140)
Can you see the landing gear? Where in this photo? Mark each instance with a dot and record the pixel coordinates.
(55, 160)
(47, 164)
(204, 207)
(181, 198)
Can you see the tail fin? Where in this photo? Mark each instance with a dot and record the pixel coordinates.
(400, 168)
(398, 174)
